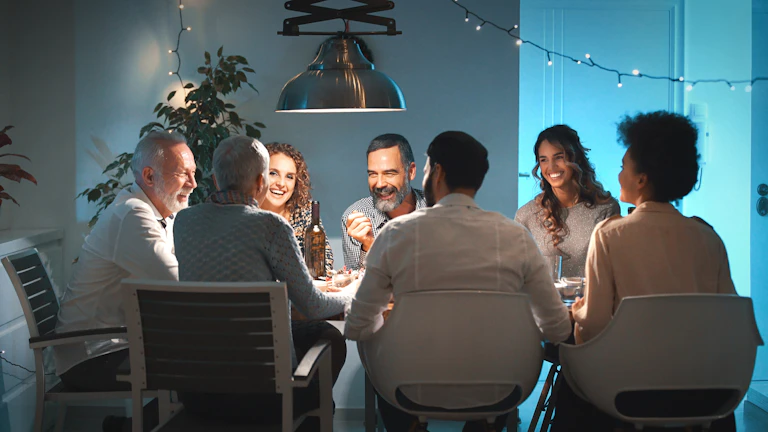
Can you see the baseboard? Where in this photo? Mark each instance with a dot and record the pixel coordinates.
(757, 395)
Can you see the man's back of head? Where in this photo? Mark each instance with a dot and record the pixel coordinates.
(456, 162)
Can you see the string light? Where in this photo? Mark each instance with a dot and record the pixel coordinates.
(182, 29)
(635, 73)
(466, 17)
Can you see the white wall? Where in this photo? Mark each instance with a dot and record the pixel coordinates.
(724, 197)
(42, 102)
(87, 83)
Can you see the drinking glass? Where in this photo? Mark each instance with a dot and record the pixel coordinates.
(555, 264)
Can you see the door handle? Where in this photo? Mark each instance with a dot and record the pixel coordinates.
(523, 175)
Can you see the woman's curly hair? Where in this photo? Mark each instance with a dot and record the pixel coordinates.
(301, 195)
(591, 191)
(663, 146)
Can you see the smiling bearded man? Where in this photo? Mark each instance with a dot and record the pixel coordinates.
(391, 168)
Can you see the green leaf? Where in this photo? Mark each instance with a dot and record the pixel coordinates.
(171, 95)
(188, 85)
(251, 86)
(260, 125)
(247, 69)
(207, 58)
(158, 106)
(221, 49)
(94, 195)
(252, 132)
(229, 106)
(241, 76)
(241, 60)
(203, 70)
(111, 166)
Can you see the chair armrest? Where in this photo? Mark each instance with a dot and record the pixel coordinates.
(77, 336)
(308, 365)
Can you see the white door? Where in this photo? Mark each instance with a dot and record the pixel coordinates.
(585, 98)
(759, 223)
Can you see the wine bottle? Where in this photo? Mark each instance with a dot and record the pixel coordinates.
(314, 244)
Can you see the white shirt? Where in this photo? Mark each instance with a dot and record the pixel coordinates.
(128, 241)
(655, 250)
(455, 245)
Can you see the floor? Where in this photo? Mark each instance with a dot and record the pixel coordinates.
(88, 419)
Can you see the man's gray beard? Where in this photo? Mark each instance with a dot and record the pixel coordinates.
(387, 206)
(169, 200)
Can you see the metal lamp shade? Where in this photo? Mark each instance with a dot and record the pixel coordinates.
(340, 79)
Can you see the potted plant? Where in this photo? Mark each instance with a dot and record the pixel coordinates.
(11, 171)
(205, 120)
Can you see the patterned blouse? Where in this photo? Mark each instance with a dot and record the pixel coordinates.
(300, 220)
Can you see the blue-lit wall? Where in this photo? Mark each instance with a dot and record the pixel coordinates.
(662, 37)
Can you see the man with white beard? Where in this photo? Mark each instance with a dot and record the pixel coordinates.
(391, 168)
(132, 239)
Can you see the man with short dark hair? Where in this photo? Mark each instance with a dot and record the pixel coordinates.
(458, 246)
(391, 168)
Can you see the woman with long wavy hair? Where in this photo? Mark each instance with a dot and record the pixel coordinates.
(289, 193)
(572, 202)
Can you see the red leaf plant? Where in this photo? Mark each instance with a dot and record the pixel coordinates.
(11, 171)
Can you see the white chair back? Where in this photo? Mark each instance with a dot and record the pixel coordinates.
(668, 346)
(436, 345)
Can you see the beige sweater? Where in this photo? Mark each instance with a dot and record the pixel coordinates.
(655, 250)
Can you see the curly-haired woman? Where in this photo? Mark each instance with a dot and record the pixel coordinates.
(572, 202)
(289, 194)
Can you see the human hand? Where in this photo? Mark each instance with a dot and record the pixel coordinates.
(360, 228)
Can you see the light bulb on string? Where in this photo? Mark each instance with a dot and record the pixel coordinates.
(733, 87)
(479, 26)
(681, 79)
(466, 17)
(189, 28)
(620, 85)
(516, 27)
(689, 88)
(588, 56)
(170, 51)
(549, 63)
(181, 6)
(519, 42)
(578, 61)
(635, 72)
(748, 88)
(170, 73)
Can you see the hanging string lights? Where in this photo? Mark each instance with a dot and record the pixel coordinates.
(635, 73)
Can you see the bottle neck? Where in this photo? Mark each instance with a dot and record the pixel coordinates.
(315, 213)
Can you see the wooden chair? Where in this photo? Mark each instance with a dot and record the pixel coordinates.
(214, 337)
(41, 306)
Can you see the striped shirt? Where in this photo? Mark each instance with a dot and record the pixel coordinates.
(354, 255)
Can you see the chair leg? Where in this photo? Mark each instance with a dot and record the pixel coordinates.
(137, 409)
(542, 399)
(370, 422)
(40, 389)
(551, 404)
(61, 416)
(326, 393)
(513, 421)
(288, 410)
